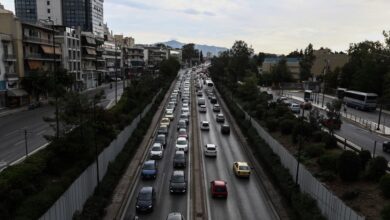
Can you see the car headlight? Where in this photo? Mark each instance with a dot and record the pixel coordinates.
(150, 206)
(137, 206)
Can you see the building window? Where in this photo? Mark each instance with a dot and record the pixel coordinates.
(48, 2)
(48, 10)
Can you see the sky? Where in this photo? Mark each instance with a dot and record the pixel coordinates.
(274, 26)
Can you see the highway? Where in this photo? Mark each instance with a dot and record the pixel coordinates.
(12, 128)
(246, 200)
(165, 201)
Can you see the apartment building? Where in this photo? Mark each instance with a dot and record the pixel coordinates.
(70, 41)
(292, 65)
(88, 60)
(154, 55)
(324, 56)
(113, 56)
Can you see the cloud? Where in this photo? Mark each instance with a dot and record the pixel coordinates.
(192, 11)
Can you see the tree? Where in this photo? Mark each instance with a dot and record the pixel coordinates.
(306, 63)
(189, 52)
(332, 77)
(295, 54)
(333, 114)
(248, 88)
(281, 73)
(201, 57)
(239, 62)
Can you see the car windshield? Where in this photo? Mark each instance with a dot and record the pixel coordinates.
(145, 196)
(181, 132)
(205, 124)
(156, 148)
(220, 189)
(179, 156)
(177, 178)
(149, 166)
(181, 142)
(243, 168)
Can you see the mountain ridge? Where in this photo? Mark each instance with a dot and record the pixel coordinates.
(214, 50)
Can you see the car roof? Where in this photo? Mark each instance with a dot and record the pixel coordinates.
(203, 106)
(179, 152)
(210, 145)
(150, 162)
(219, 183)
(182, 138)
(205, 122)
(242, 163)
(161, 135)
(219, 114)
(225, 125)
(178, 173)
(146, 189)
(157, 144)
(175, 214)
(183, 130)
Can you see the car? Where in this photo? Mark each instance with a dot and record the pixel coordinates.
(204, 126)
(145, 199)
(182, 133)
(334, 123)
(202, 109)
(178, 182)
(181, 124)
(218, 188)
(210, 150)
(281, 99)
(156, 152)
(213, 100)
(170, 107)
(225, 129)
(386, 146)
(216, 108)
(185, 117)
(165, 121)
(182, 144)
(175, 216)
(220, 118)
(200, 94)
(185, 105)
(295, 108)
(179, 159)
(149, 169)
(306, 105)
(161, 138)
(241, 169)
(169, 114)
(185, 110)
(201, 101)
(163, 129)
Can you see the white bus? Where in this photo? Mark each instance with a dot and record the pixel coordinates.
(360, 100)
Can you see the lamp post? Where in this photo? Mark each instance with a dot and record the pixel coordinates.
(115, 69)
(55, 77)
(323, 89)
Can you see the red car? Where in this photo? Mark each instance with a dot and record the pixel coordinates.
(218, 189)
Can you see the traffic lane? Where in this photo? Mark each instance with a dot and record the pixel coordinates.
(371, 116)
(165, 201)
(364, 138)
(12, 128)
(245, 199)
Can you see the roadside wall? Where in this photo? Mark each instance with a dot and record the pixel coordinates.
(83, 187)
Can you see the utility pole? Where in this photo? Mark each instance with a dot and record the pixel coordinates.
(116, 81)
(95, 142)
(380, 115)
(323, 89)
(25, 141)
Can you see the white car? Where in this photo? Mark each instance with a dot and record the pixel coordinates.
(202, 109)
(204, 126)
(157, 151)
(169, 114)
(210, 150)
(185, 105)
(294, 107)
(185, 110)
(182, 144)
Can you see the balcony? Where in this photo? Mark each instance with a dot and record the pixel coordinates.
(37, 40)
(9, 58)
(38, 56)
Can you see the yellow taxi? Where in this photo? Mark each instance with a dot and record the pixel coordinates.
(241, 169)
(165, 121)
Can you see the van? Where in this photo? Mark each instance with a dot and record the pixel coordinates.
(201, 101)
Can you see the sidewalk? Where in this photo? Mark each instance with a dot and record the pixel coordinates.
(370, 125)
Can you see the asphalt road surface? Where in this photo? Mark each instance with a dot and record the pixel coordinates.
(246, 200)
(12, 138)
(165, 202)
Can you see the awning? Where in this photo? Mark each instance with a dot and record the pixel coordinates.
(34, 65)
(90, 40)
(50, 50)
(91, 51)
(17, 92)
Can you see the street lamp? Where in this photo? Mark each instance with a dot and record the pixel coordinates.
(55, 76)
(323, 78)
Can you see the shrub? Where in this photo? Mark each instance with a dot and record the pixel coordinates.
(384, 185)
(329, 162)
(350, 195)
(376, 168)
(349, 166)
(286, 126)
(271, 124)
(326, 176)
(314, 150)
(365, 156)
(329, 140)
(306, 207)
(317, 136)
(385, 213)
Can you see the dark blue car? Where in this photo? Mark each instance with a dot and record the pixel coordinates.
(145, 199)
(149, 170)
